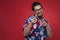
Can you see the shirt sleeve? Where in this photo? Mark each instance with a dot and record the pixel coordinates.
(27, 21)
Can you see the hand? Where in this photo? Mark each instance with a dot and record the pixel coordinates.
(34, 20)
(44, 24)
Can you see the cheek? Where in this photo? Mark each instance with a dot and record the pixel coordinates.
(41, 11)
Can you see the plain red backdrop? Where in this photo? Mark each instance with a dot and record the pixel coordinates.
(14, 12)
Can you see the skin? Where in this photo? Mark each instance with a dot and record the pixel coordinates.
(37, 14)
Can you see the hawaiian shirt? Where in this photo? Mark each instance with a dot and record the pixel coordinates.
(38, 31)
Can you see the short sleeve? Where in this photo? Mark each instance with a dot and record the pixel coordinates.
(27, 21)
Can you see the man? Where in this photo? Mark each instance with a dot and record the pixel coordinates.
(36, 27)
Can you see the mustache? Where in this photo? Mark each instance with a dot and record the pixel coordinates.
(38, 16)
(39, 12)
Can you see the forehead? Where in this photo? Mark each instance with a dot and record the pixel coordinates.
(37, 7)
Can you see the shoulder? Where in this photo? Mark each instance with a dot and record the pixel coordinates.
(30, 17)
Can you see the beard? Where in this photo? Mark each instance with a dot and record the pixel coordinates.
(40, 16)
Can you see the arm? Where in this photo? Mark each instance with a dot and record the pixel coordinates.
(27, 29)
(49, 30)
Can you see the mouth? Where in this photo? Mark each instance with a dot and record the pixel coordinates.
(39, 13)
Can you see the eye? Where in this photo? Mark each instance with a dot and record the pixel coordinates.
(38, 9)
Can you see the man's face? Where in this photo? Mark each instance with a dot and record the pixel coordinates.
(38, 11)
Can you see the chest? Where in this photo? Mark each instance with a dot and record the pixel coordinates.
(37, 24)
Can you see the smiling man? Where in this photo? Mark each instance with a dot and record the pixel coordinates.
(36, 27)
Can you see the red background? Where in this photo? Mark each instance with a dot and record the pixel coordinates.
(14, 12)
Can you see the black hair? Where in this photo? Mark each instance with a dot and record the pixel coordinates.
(35, 4)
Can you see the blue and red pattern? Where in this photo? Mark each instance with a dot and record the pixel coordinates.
(38, 32)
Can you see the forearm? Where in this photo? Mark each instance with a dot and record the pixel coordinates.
(27, 29)
(49, 32)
